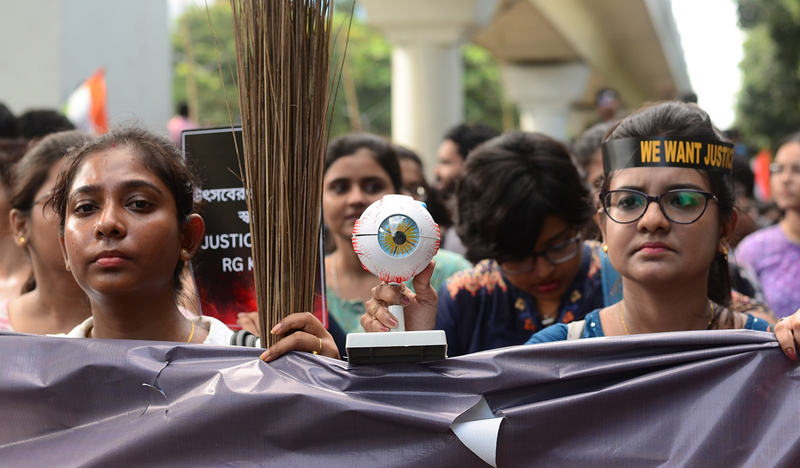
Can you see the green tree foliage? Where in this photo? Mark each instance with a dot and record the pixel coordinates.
(368, 63)
(769, 102)
(211, 94)
(483, 92)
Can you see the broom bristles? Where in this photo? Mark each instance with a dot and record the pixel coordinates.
(282, 60)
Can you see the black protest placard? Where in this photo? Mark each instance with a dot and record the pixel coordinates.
(223, 268)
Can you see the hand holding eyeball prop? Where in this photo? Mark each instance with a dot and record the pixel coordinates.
(395, 239)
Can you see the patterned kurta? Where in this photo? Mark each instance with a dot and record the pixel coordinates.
(479, 309)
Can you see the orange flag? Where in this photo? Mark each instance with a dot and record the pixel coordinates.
(761, 164)
(86, 107)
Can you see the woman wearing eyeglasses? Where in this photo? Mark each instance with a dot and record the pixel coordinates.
(667, 217)
(521, 207)
(774, 252)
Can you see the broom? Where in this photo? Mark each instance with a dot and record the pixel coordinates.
(282, 61)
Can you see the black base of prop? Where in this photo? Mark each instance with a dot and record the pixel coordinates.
(411, 346)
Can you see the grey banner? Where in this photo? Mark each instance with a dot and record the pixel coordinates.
(726, 398)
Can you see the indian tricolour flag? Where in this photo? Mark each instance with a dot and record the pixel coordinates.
(86, 106)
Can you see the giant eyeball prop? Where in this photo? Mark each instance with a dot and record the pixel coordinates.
(395, 238)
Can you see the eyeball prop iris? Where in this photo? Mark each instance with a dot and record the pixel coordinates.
(398, 236)
(395, 238)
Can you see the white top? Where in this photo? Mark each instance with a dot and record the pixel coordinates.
(218, 333)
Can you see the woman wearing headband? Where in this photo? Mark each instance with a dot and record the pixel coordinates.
(667, 217)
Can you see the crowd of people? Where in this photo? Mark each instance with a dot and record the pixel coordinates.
(541, 242)
(526, 208)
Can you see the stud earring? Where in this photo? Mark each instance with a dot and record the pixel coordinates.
(184, 252)
(725, 252)
(605, 248)
(21, 240)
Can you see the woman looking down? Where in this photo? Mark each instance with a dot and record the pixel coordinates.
(521, 206)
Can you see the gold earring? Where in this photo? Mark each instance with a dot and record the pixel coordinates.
(21, 240)
(605, 248)
(185, 252)
(725, 252)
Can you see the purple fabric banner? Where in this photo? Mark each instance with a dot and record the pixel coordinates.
(723, 398)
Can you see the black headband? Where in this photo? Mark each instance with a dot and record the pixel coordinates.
(667, 152)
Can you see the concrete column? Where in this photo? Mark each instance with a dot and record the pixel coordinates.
(49, 47)
(427, 89)
(30, 54)
(544, 94)
(427, 95)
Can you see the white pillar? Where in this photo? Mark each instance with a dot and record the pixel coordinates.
(427, 90)
(427, 95)
(544, 94)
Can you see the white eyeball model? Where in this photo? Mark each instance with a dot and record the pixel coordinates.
(396, 238)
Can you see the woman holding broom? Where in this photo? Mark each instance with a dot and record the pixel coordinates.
(128, 223)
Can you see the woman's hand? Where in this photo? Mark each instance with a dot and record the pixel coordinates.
(787, 331)
(309, 336)
(249, 321)
(419, 309)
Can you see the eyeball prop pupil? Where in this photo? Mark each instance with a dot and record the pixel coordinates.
(398, 236)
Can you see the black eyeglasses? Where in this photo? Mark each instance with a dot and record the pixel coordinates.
(558, 253)
(683, 206)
